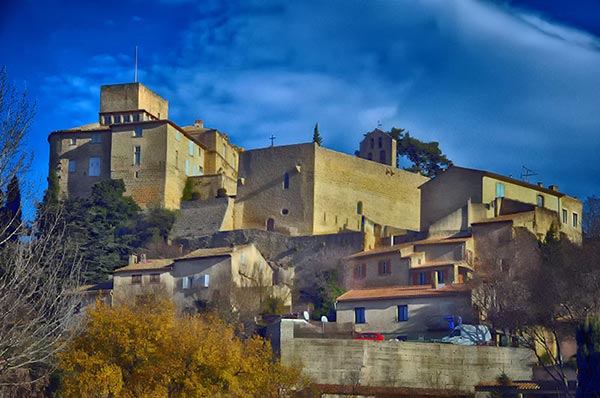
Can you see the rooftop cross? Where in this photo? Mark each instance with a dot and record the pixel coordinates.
(272, 138)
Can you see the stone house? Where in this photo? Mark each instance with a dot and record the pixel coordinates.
(135, 141)
(223, 276)
(416, 312)
(379, 147)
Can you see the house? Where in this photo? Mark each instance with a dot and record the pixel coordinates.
(459, 197)
(134, 141)
(424, 262)
(226, 276)
(414, 312)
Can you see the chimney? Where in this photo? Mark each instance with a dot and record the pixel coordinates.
(199, 123)
(540, 185)
(392, 240)
(143, 258)
(554, 188)
(434, 279)
(133, 259)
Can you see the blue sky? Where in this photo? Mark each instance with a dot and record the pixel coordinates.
(500, 84)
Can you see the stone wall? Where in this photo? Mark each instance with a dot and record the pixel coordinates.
(402, 364)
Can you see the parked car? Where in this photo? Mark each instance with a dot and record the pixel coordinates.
(468, 335)
(369, 336)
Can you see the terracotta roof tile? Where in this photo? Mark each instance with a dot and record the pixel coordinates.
(398, 247)
(402, 292)
(149, 265)
(212, 252)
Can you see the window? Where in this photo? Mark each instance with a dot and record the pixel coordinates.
(94, 167)
(178, 136)
(565, 216)
(402, 313)
(499, 190)
(187, 167)
(359, 315)
(136, 174)
(285, 212)
(379, 142)
(96, 138)
(372, 143)
(127, 118)
(360, 271)
(440, 276)
(136, 279)
(73, 141)
(137, 132)
(224, 151)
(575, 219)
(117, 118)
(191, 148)
(540, 200)
(422, 278)
(137, 155)
(154, 278)
(382, 156)
(286, 181)
(385, 267)
(107, 119)
(187, 282)
(136, 117)
(243, 258)
(359, 207)
(72, 165)
(200, 170)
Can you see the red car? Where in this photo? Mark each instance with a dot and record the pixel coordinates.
(369, 336)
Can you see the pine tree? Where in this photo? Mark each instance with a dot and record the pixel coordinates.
(588, 358)
(317, 139)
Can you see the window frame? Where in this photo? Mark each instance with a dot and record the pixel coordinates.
(402, 312)
(574, 219)
(72, 165)
(137, 155)
(565, 216)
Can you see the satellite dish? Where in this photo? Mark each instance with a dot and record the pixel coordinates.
(306, 315)
(324, 319)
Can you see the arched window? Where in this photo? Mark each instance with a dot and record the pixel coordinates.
(286, 181)
(359, 207)
(270, 224)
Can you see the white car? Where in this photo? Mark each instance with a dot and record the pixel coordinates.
(468, 335)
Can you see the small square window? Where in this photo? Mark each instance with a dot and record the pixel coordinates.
(127, 118)
(107, 119)
(117, 118)
(73, 141)
(136, 117)
(137, 132)
(136, 279)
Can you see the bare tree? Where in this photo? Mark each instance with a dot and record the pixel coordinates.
(38, 272)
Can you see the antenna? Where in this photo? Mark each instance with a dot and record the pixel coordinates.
(379, 123)
(135, 77)
(526, 173)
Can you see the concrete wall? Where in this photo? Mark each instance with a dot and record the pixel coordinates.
(132, 96)
(63, 150)
(377, 363)
(389, 196)
(382, 315)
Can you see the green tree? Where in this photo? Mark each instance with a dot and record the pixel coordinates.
(317, 139)
(588, 358)
(426, 157)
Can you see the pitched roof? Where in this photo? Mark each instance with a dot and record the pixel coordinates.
(398, 247)
(150, 265)
(212, 252)
(402, 292)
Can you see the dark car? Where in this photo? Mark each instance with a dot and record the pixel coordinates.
(369, 336)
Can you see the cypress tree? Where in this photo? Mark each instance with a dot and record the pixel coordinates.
(317, 139)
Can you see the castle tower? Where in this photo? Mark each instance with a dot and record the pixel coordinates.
(379, 147)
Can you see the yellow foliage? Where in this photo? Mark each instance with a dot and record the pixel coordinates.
(145, 350)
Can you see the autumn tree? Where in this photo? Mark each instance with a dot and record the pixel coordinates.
(145, 349)
(426, 157)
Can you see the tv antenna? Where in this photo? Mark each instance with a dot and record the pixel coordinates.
(526, 173)
(135, 74)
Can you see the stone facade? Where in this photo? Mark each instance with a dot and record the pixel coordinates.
(379, 147)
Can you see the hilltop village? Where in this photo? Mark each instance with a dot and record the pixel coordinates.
(404, 246)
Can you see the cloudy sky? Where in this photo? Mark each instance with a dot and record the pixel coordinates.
(500, 84)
